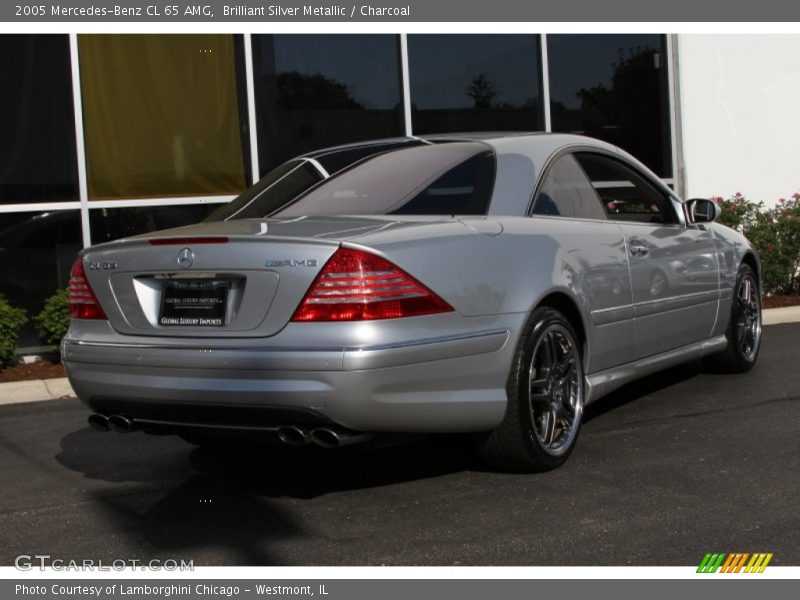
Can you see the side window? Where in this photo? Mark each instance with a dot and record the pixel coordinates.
(625, 195)
(566, 192)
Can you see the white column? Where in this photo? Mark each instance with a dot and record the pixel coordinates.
(406, 83)
(251, 107)
(80, 144)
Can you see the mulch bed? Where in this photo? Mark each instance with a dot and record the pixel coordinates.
(36, 370)
(778, 301)
(49, 370)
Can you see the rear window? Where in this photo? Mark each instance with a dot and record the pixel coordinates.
(275, 189)
(336, 160)
(443, 179)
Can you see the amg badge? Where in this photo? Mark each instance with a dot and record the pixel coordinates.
(291, 263)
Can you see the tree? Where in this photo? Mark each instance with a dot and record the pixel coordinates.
(482, 90)
(308, 92)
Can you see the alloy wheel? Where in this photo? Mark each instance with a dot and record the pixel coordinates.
(555, 390)
(748, 323)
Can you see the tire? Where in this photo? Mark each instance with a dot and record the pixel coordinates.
(744, 327)
(545, 398)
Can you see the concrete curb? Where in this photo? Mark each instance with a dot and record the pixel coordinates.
(38, 390)
(787, 314)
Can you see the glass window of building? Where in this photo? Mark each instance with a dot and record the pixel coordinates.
(108, 224)
(163, 115)
(613, 87)
(475, 83)
(37, 125)
(37, 250)
(314, 91)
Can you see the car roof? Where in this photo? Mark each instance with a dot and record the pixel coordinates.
(538, 146)
(498, 139)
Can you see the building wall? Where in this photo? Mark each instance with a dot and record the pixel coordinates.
(740, 107)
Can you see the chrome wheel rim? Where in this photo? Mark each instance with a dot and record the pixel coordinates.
(748, 322)
(555, 390)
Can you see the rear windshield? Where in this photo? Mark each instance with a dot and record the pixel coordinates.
(334, 161)
(442, 179)
(275, 189)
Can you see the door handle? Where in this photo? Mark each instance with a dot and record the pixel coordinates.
(637, 248)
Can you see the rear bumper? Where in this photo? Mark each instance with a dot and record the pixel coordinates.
(436, 384)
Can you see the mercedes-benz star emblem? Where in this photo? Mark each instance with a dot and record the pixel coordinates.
(185, 258)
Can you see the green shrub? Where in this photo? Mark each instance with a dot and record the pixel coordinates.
(53, 321)
(11, 321)
(775, 233)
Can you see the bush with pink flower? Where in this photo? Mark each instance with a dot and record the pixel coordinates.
(775, 232)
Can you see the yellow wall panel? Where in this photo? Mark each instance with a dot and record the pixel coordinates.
(161, 116)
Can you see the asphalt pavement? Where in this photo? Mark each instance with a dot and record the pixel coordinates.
(679, 464)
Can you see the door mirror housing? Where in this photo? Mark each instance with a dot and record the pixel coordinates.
(702, 210)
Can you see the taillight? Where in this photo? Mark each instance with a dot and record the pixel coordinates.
(358, 286)
(82, 301)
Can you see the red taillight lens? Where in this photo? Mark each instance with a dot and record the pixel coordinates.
(82, 301)
(358, 286)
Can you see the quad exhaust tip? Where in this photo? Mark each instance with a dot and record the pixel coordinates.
(99, 422)
(120, 424)
(333, 438)
(293, 436)
(324, 437)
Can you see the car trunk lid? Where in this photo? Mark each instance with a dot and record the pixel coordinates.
(226, 279)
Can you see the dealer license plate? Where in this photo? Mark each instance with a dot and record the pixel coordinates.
(199, 303)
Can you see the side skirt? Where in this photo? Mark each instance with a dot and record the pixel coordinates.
(601, 383)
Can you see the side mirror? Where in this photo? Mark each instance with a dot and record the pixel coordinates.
(702, 210)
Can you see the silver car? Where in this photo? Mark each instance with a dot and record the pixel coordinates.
(490, 283)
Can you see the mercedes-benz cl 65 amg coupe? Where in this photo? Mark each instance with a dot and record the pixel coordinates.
(491, 284)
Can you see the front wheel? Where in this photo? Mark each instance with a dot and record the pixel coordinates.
(744, 328)
(545, 398)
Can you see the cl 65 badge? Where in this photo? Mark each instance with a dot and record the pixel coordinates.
(102, 266)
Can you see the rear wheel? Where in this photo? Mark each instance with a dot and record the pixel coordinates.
(545, 398)
(744, 327)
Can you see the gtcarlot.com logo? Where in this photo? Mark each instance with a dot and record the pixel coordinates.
(734, 562)
(28, 562)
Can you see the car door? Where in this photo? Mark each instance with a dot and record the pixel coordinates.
(674, 271)
(595, 255)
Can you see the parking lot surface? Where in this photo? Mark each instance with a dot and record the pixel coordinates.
(682, 463)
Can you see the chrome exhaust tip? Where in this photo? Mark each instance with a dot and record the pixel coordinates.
(327, 438)
(293, 435)
(332, 438)
(120, 424)
(99, 422)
